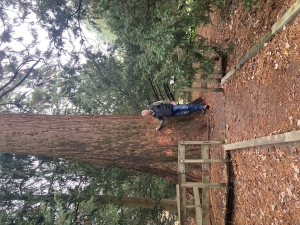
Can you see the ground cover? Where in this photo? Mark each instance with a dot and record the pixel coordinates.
(261, 99)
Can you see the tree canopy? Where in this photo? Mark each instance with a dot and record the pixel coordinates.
(138, 63)
(46, 191)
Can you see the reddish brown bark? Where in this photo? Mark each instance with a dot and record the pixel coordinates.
(125, 141)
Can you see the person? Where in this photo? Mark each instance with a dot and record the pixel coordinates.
(165, 108)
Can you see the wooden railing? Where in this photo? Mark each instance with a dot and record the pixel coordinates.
(201, 206)
(203, 85)
(204, 81)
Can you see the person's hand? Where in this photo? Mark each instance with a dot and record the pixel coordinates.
(157, 128)
(174, 103)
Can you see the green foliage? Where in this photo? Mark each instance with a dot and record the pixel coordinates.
(147, 35)
(249, 3)
(43, 191)
(220, 4)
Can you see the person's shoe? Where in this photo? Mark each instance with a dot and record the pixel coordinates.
(205, 107)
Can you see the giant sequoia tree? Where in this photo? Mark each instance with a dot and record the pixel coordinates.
(124, 141)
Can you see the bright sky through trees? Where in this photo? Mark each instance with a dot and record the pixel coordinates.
(23, 34)
(28, 45)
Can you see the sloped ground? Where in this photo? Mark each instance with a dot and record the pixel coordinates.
(261, 99)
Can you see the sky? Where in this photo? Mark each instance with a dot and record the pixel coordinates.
(24, 31)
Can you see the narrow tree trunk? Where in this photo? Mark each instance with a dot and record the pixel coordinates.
(124, 141)
(148, 203)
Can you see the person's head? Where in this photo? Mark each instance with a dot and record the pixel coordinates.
(146, 112)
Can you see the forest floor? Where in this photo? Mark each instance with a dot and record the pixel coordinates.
(260, 99)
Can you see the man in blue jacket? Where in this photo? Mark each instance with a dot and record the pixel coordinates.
(165, 108)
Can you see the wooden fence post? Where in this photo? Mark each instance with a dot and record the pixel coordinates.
(201, 209)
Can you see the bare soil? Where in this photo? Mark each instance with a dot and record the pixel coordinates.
(261, 99)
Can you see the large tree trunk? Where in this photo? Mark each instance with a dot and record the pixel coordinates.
(125, 141)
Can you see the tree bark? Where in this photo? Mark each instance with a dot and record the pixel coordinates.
(124, 141)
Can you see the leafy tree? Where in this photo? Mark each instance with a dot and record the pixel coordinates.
(67, 191)
(148, 35)
(21, 55)
(42, 94)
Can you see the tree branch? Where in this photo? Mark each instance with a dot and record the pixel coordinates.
(18, 106)
(20, 81)
(153, 88)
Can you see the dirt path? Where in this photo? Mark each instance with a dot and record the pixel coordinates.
(262, 98)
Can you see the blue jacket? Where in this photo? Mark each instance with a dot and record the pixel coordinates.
(160, 110)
